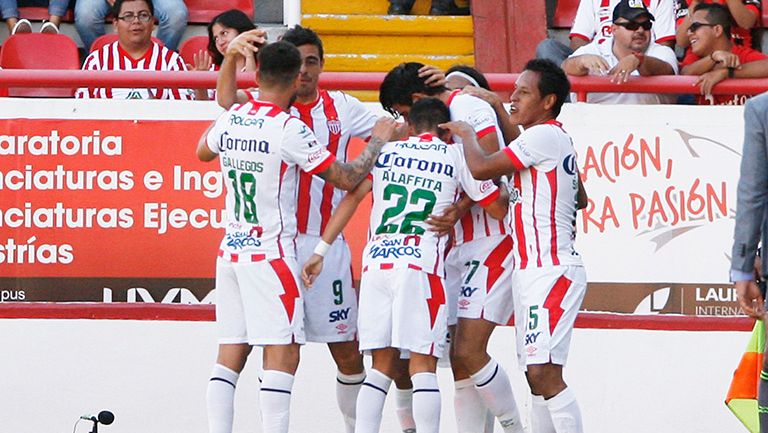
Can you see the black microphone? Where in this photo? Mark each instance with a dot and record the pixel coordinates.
(104, 417)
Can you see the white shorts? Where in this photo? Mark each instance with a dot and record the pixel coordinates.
(259, 303)
(402, 308)
(479, 276)
(547, 301)
(330, 306)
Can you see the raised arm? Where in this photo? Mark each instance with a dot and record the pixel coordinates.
(482, 165)
(204, 153)
(508, 130)
(246, 44)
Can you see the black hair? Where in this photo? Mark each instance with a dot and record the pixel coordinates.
(279, 64)
(233, 19)
(299, 36)
(119, 4)
(401, 83)
(717, 14)
(552, 80)
(427, 113)
(472, 72)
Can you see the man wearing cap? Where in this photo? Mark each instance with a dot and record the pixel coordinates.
(714, 57)
(630, 53)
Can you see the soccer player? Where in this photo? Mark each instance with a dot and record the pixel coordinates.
(402, 299)
(261, 149)
(331, 308)
(549, 282)
(478, 267)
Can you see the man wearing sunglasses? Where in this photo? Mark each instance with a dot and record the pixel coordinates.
(630, 53)
(714, 57)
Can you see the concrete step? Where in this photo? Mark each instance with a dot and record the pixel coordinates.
(384, 62)
(383, 44)
(357, 7)
(356, 25)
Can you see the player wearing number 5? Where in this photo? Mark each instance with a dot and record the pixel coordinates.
(402, 299)
(258, 302)
(549, 282)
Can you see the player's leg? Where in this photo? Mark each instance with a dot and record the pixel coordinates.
(404, 396)
(489, 378)
(426, 394)
(280, 363)
(547, 301)
(370, 400)
(349, 378)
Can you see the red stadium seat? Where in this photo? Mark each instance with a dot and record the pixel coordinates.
(192, 46)
(203, 11)
(565, 12)
(108, 39)
(40, 51)
(39, 14)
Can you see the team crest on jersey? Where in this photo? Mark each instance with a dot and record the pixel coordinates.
(334, 125)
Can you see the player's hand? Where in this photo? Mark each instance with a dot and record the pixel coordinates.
(708, 80)
(247, 43)
(459, 128)
(384, 129)
(750, 299)
(311, 270)
(433, 76)
(488, 96)
(443, 224)
(593, 64)
(726, 59)
(201, 60)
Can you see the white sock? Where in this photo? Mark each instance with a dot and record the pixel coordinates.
(541, 420)
(347, 387)
(565, 412)
(468, 406)
(404, 409)
(426, 402)
(493, 386)
(275, 401)
(370, 402)
(220, 398)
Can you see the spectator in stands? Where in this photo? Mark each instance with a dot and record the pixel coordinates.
(90, 15)
(439, 7)
(745, 14)
(223, 28)
(134, 50)
(714, 57)
(10, 12)
(593, 23)
(631, 52)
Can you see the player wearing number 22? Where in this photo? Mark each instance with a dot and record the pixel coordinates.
(261, 149)
(402, 297)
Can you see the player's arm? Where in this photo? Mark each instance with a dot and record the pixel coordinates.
(443, 224)
(246, 44)
(347, 176)
(508, 130)
(204, 153)
(581, 195)
(340, 218)
(482, 165)
(498, 207)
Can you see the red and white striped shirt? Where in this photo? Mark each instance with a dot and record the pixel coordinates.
(481, 116)
(334, 117)
(112, 57)
(543, 197)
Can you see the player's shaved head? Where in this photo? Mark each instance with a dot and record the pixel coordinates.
(279, 64)
(427, 113)
(401, 83)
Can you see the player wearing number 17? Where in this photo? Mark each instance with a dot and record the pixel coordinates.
(402, 297)
(548, 282)
(261, 149)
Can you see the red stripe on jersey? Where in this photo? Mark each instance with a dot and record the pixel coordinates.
(283, 168)
(451, 96)
(326, 203)
(468, 226)
(494, 261)
(305, 179)
(274, 111)
(519, 230)
(290, 289)
(385, 266)
(552, 179)
(555, 299)
(535, 184)
(414, 267)
(515, 160)
(485, 224)
(324, 166)
(436, 299)
(485, 131)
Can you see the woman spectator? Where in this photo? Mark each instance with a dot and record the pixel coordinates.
(10, 12)
(224, 27)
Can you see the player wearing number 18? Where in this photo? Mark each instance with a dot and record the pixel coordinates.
(402, 297)
(258, 302)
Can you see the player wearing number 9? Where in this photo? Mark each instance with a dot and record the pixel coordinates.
(258, 302)
(402, 298)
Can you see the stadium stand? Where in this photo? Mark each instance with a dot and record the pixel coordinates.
(38, 14)
(108, 39)
(203, 11)
(39, 51)
(192, 46)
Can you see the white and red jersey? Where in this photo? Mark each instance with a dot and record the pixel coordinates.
(543, 197)
(481, 116)
(112, 57)
(594, 19)
(411, 180)
(261, 149)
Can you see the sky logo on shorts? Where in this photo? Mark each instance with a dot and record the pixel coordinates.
(531, 338)
(335, 316)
